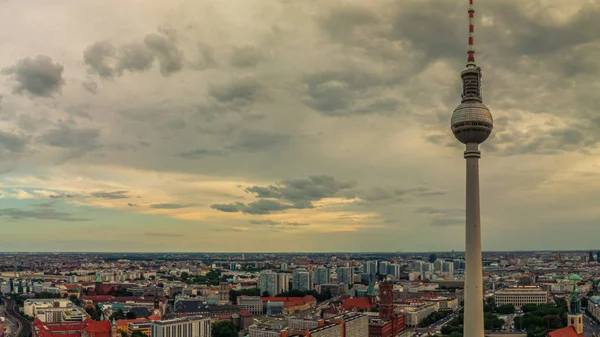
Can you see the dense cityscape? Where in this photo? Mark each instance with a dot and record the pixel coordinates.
(279, 295)
(238, 191)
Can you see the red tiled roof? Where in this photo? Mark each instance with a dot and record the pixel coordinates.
(245, 313)
(125, 322)
(568, 331)
(154, 317)
(72, 329)
(290, 301)
(360, 303)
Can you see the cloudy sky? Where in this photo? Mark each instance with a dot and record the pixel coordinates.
(281, 125)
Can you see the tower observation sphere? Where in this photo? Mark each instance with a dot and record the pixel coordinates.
(471, 121)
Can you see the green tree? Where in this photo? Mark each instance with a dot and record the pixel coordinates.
(138, 333)
(584, 302)
(432, 257)
(124, 334)
(119, 314)
(184, 276)
(75, 300)
(506, 309)
(224, 329)
(130, 315)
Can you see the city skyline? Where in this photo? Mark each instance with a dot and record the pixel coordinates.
(171, 129)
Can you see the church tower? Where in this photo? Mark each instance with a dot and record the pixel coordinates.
(575, 317)
(113, 328)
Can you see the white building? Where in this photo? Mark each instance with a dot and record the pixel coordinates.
(594, 307)
(521, 295)
(32, 306)
(264, 331)
(191, 326)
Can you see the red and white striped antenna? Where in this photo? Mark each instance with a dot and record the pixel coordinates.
(471, 51)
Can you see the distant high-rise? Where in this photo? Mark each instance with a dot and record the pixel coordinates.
(394, 270)
(370, 267)
(472, 124)
(383, 267)
(344, 275)
(300, 279)
(283, 283)
(268, 283)
(321, 275)
(591, 257)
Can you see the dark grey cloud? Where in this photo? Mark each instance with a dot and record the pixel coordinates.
(247, 141)
(41, 213)
(200, 153)
(228, 208)
(134, 57)
(111, 195)
(90, 86)
(442, 222)
(132, 205)
(380, 194)
(207, 58)
(38, 76)
(168, 54)
(348, 92)
(63, 196)
(170, 206)
(255, 141)
(247, 57)
(14, 143)
(279, 224)
(68, 137)
(288, 194)
(238, 92)
(98, 57)
(107, 60)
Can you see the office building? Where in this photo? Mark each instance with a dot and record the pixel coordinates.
(191, 326)
(321, 275)
(520, 295)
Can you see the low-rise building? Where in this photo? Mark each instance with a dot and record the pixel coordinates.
(417, 311)
(520, 295)
(191, 326)
(252, 304)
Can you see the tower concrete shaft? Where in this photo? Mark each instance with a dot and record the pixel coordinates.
(473, 324)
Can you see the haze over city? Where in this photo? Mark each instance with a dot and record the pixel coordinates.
(263, 125)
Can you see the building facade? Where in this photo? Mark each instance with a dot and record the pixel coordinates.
(521, 295)
(191, 326)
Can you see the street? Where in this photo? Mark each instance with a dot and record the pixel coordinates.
(590, 326)
(23, 326)
(435, 326)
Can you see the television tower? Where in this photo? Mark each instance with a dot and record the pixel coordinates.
(472, 124)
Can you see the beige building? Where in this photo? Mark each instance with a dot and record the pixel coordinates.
(415, 313)
(520, 295)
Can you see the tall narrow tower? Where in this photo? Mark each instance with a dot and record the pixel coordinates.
(472, 124)
(575, 317)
